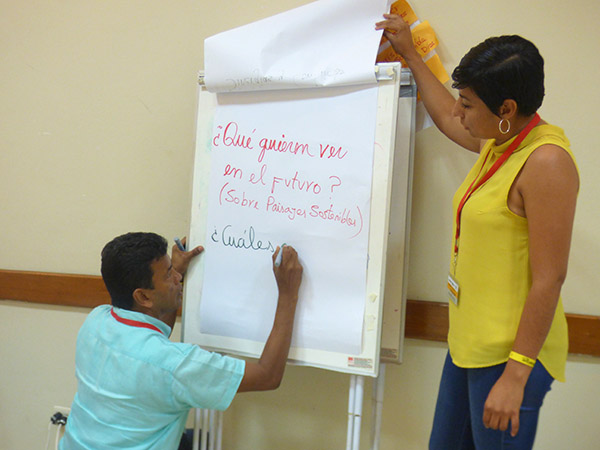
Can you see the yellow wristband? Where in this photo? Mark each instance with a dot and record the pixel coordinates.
(522, 359)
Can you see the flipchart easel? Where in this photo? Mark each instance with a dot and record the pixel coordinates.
(396, 85)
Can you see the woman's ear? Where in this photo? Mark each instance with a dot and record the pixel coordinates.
(508, 109)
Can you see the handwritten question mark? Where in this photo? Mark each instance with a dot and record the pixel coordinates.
(339, 182)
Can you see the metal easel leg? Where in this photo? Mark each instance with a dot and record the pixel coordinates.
(211, 430)
(351, 393)
(208, 429)
(197, 419)
(219, 432)
(204, 441)
(378, 387)
(358, 402)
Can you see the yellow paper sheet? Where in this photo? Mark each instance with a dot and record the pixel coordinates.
(424, 39)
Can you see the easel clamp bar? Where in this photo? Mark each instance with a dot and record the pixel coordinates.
(384, 71)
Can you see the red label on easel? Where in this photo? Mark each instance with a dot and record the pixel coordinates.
(362, 363)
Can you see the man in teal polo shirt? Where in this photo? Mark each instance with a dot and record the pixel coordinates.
(135, 386)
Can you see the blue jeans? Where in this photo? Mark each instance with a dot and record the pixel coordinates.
(458, 420)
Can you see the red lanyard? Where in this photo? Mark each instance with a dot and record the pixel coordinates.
(134, 323)
(492, 170)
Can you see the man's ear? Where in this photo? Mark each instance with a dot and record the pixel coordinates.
(142, 299)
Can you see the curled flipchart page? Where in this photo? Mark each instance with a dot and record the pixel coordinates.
(325, 43)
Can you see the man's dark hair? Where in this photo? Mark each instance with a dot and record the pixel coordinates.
(501, 68)
(126, 262)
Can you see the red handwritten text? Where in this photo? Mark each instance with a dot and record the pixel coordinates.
(330, 151)
(230, 170)
(232, 138)
(282, 146)
(261, 176)
(292, 212)
(295, 184)
(342, 217)
(232, 196)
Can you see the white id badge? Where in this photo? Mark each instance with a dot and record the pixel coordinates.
(453, 289)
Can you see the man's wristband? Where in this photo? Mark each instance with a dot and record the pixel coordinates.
(522, 359)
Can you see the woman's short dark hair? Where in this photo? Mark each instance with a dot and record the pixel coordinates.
(501, 68)
(126, 262)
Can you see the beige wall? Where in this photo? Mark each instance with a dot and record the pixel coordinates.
(97, 136)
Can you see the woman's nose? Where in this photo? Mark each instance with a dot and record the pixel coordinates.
(456, 109)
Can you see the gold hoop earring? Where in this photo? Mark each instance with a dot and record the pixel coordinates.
(500, 126)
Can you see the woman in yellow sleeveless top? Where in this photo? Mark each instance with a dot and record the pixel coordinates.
(512, 232)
